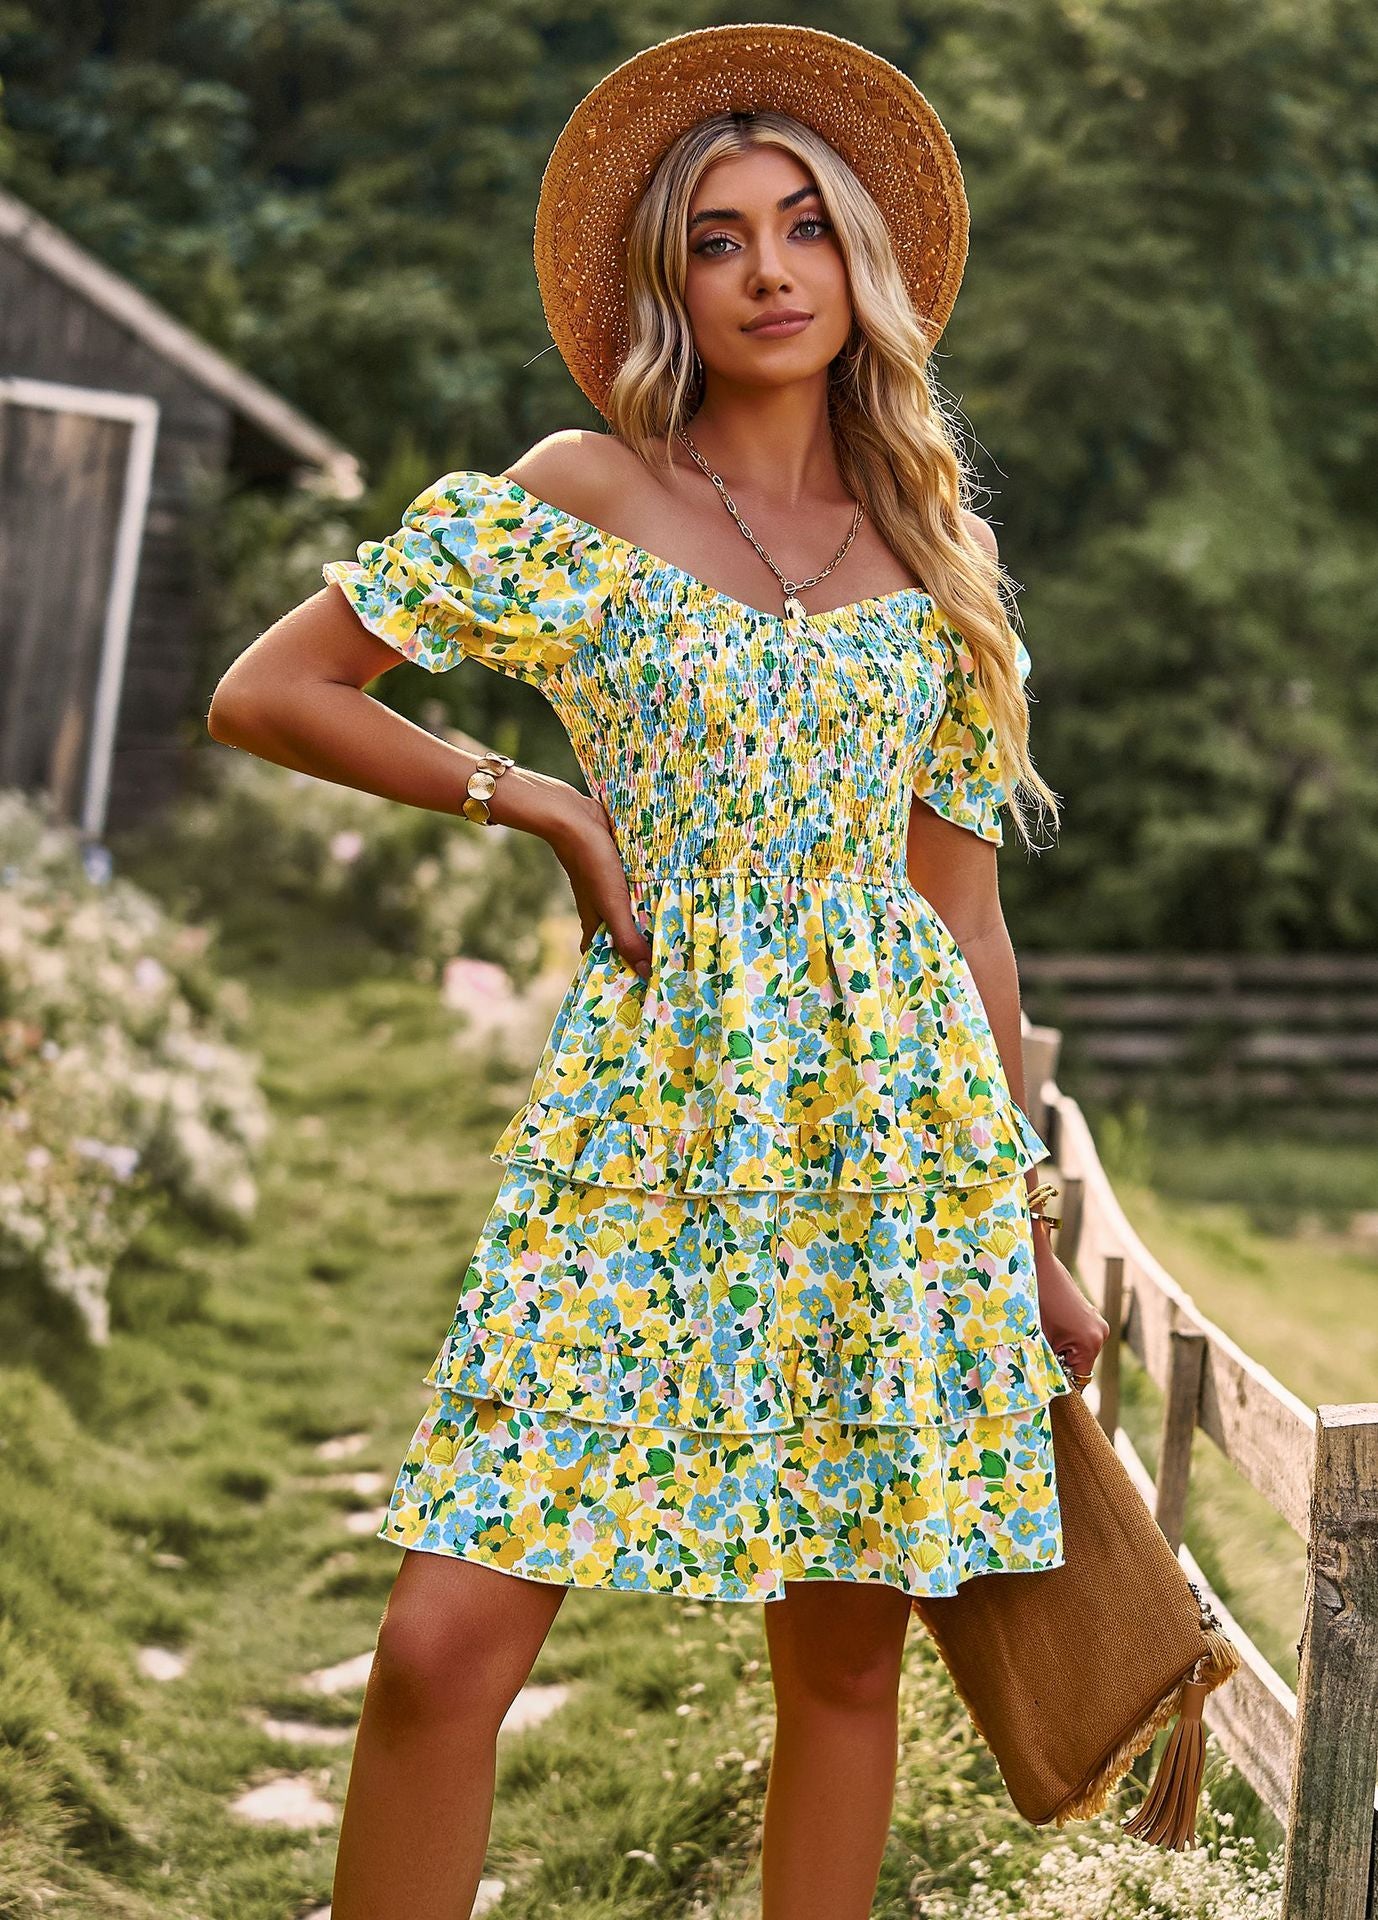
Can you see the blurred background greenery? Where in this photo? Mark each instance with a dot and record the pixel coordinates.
(1164, 348)
(1164, 352)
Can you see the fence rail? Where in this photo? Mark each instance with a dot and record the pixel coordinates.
(1311, 1756)
(1215, 1025)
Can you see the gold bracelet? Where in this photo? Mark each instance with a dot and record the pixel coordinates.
(1038, 1199)
(481, 783)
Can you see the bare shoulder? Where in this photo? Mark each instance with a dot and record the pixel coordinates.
(582, 472)
(983, 531)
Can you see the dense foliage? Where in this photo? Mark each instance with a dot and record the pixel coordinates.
(126, 1084)
(265, 852)
(1164, 351)
(128, 1090)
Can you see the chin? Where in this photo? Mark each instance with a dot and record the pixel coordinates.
(783, 370)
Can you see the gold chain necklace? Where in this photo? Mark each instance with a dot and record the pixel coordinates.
(794, 606)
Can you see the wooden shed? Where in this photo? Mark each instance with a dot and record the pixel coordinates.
(110, 411)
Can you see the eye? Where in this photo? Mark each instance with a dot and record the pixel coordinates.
(809, 220)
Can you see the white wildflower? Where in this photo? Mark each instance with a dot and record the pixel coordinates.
(346, 846)
(149, 974)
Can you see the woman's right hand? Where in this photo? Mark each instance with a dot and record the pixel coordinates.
(586, 847)
(1076, 1330)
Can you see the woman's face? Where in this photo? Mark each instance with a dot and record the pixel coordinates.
(759, 240)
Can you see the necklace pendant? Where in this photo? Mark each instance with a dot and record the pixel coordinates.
(794, 608)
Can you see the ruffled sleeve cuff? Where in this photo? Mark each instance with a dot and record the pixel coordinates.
(480, 568)
(958, 772)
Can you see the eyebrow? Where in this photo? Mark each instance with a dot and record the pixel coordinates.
(735, 213)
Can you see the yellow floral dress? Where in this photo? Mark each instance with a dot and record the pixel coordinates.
(755, 1301)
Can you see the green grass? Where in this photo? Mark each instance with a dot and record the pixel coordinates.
(1263, 1228)
(189, 1437)
(150, 1494)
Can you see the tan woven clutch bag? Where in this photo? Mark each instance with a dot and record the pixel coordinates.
(1069, 1672)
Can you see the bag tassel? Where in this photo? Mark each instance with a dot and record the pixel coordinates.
(1177, 1783)
(1167, 1816)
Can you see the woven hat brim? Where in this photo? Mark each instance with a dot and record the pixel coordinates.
(865, 108)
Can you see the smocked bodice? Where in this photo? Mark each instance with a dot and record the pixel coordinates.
(735, 746)
(808, 1021)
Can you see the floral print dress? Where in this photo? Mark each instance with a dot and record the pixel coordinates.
(755, 1301)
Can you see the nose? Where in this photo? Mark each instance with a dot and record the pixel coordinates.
(771, 267)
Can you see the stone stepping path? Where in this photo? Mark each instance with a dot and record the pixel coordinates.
(343, 1677)
(297, 1801)
(532, 1705)
(365, 1519)
(160, 1663)
(290, 1800)
(363, 1483)
(306, 1733)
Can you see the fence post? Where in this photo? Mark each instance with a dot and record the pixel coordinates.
(1070, 1206)
(1186, 1357)
(1108, 1366)
(1040, 1047)
(1330, 1826)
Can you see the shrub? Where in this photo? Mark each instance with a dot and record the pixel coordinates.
(124, 1078)
(412, 882)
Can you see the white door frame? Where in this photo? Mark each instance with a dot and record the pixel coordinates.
(140, 411)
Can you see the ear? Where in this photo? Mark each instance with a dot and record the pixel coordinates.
(982, 530)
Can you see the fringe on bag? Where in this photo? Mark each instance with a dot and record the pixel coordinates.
(1166, 1817)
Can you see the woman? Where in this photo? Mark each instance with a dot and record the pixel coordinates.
(763, 1309)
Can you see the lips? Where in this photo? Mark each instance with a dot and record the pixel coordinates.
(778, 316)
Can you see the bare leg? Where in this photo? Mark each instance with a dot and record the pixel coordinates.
(455, 1647)
(835, 1656)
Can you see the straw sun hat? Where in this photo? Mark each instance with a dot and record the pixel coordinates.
(865, 108)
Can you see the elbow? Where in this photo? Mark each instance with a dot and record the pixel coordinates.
(970, 913)
(229, 718)
(977, 929)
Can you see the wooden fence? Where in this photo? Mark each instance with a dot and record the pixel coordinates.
(1248, 1028)
(1312, 1755)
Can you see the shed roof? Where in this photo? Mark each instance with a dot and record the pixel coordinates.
(25, 229)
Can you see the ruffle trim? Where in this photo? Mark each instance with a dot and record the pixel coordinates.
(752, 1154)
(760, 1394)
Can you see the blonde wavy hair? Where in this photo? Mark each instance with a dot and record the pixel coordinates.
(896, 449)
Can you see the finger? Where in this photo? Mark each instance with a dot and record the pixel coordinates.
(629, 940)
(638, 955)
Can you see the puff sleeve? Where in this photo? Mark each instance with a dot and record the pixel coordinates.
(481, 568)
(958, 770)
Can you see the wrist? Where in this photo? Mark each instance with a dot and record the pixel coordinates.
(1044, 1255)
(572, 823)
(530, 801)
(1044, 1214)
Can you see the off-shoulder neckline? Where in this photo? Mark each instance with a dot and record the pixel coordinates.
(714, 594)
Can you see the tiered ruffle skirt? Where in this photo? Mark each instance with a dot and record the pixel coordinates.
(755, 1301)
